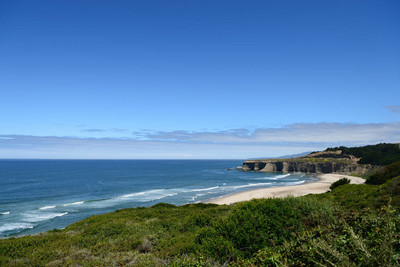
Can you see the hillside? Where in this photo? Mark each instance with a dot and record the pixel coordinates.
(380, 154)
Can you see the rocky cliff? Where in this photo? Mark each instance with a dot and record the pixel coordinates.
(320, 162)
(303, 166)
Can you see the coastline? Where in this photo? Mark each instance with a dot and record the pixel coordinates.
(317, 187)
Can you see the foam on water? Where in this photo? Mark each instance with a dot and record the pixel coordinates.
(251, 185)
(150, 195)
(15, 226)
(47, 207)
(205, 189)
(197, 195)
(38, 217)
(156, 191)
(296, 183)
(271, 178)
(143, 196)
(281, 176)
(5, 213)
(74, 203)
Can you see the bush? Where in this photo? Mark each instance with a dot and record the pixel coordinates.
(339, 183)
(385, 174)
(361, 240)
(261, 223)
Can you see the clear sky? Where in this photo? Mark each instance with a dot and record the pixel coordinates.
(196, 78)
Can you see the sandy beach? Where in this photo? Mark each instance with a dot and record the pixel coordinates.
(320, 186)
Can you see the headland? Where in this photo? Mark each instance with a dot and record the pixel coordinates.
(329, 166)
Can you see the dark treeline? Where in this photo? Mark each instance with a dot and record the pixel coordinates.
(380, 154)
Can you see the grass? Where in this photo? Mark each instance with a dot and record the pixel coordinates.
(142, 235)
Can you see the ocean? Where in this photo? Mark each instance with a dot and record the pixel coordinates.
(40, 195)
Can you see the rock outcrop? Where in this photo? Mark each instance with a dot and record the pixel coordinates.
(302, 165)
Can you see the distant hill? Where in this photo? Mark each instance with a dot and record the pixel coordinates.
(294, 155)
(286, 156)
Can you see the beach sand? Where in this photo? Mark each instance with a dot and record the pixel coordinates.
(318, 187)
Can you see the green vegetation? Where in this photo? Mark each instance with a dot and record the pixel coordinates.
(380, 154)
(139, 236)
(339, 183)
(384, 174)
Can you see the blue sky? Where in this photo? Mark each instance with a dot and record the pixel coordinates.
(196, 79)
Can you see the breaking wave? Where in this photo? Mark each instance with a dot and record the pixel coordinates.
(74, 203)
(150, 195)
(250, 185)
(47, 207)
(15, 226)
(296, 183)
(204, 189)
(280, 176)
(38, 217)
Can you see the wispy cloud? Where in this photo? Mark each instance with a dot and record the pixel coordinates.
(346, 133)
(94, 130)
(6, 138)
(115, 130)
(394, 108)
(234, 143)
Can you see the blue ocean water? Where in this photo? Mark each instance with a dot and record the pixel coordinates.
(40, 195)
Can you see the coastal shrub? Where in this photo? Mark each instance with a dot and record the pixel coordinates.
(261, 223)
(376, 178)
(361, 240)
(351, 239)
(354, 197)
(364, 196)
(210, 244)
(339, 183)
(390, 191)
(384, 174)
(186, 260)
(197, 220)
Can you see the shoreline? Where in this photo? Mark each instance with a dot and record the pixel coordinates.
(317, 187)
